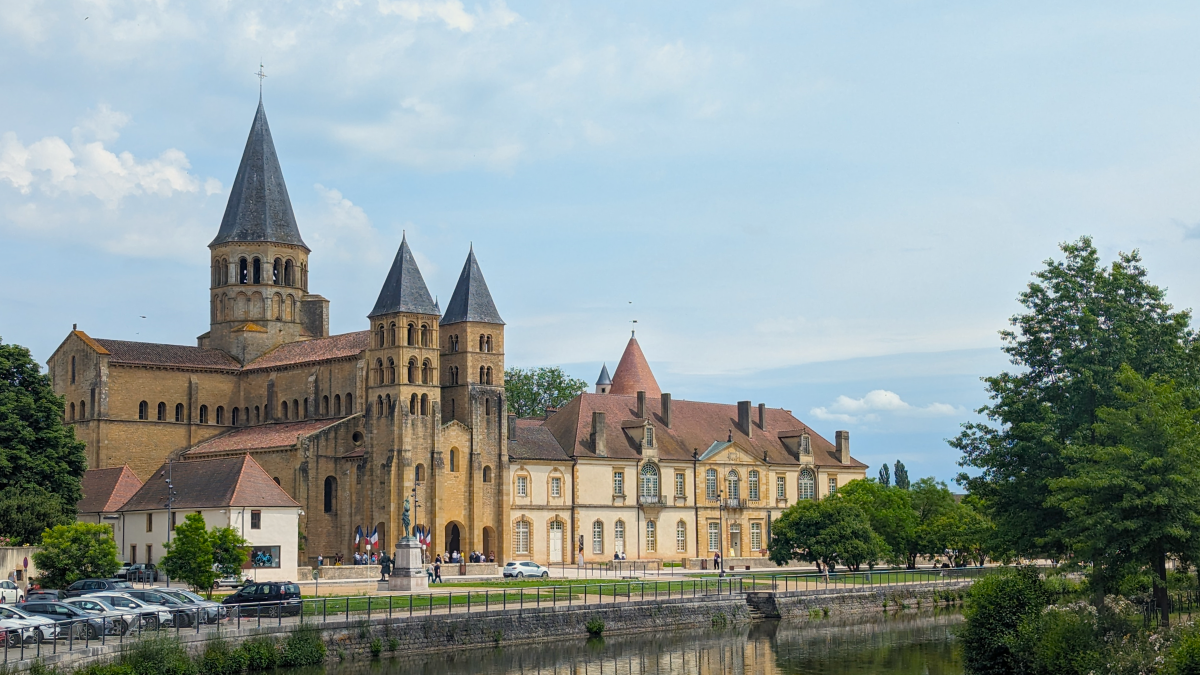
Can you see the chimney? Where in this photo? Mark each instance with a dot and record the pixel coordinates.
(762, 416)
(641, 406)
(598, 443)
(842, 439)
(666, 410)
(744, 418)
(512, 427)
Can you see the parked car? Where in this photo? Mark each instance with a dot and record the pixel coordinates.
(525, 568)
(122, 572)
(45, 594)
(142, 573)
(119, 619)
(33, 628)
(230, 582)
(209, 611)
(82, 624)
(10, 592)
(268, 597)
(152, 616)
(181, 616)
(84, 586)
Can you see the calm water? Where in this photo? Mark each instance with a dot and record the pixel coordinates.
(917, 644)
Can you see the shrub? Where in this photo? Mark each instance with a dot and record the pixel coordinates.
(219, 659)
(996, 606)
(303, 647)
(262, 653)
(1184, 657)
(1060, 640)
(376, 646)
(394, 644)
(595, 626)
(157, 654)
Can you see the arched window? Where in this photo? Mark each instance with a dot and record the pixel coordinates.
(710, 485)
(597, 537)
(733, 485)
(337, 404)
(245, 411)
(453, 459)
(288, 276)
(424, 404)
(412, 370)
(450, 375)
(257, 415)
(349, 404)
(392, 334)
(257, 271)
(752, 485)
(72, 370)
(414, 405)
(487, 474)
(203, 414)
(178, 412)
(425, 374)
(481, 343)
(453, 343)
(424, 335)
(234, 417)
(807, 485)
(330, 494)
(487, 406)
(521, 538)
(220, 415)
(411, 336)
(651, 536)
(489, 343)
(650, 481)
(387, 404)
(72, 417)
(82, 410)
(283, 409)
(277, 306)
(489, 375)
(325, 404)
(379, 336)
(243, 274)
(419, 473)
(681, 537)
(482, 375)
(143, 410)
(297, 411)
(162, 412)
(277, 272)
(380, 378)
(619, 536)
(379, 407)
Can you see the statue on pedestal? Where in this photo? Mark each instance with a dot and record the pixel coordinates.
(406, 519)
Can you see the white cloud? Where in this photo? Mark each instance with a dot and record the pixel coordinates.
(342, 230)
(869, 407)
(450, 12)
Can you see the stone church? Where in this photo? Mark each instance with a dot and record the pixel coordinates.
(413, 407)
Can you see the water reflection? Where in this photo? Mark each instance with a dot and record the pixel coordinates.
(916, 644)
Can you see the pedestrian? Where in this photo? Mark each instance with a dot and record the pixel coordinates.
(429, 573)
(320, 560)
(437, 572)
(717, 561)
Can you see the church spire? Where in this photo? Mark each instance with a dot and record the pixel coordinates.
(471, 301)
(259, 209)
(404, 290)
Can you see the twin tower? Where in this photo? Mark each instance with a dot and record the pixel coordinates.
(260, 298)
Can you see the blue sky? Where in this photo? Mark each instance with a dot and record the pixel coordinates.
(826, 206)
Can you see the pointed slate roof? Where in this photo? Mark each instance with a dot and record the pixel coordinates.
(404, 290)
(259, 208)
(471, 300)
(107, 490)
(633, 374)
(605, 378)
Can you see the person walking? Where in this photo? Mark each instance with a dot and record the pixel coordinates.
(437, 572)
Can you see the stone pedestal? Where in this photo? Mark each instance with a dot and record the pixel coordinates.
(408, 574)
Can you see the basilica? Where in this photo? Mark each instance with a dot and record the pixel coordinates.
(412, 407)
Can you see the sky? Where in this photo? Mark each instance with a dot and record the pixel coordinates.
(828, 207)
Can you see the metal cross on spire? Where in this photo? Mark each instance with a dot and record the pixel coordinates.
(261, 75)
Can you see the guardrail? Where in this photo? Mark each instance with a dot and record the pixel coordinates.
(30, 642)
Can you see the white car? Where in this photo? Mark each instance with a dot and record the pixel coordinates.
(152, 616)
(525, 569)
(40, 628)
(10, 593)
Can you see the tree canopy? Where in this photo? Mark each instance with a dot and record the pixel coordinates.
(530, 391)
(41, 462)
(198, 556)
(76, 551)
(830, 532)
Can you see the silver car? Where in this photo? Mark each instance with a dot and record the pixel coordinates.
(152, 616)
(526, 568)
(119, 619)
(209, 611)
(42, 628)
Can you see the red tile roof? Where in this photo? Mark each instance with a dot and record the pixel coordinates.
(107, 490)
(535, 441)
(694, 427)
(321, 349)
(633, 374)
(154, 354)
(277, 435)
(212, 483)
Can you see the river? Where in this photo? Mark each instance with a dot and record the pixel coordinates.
(904, 644)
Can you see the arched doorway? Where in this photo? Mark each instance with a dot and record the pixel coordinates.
(453, 541)
(489, 542)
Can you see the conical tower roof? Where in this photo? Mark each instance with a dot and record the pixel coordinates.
(633, 374)
(404, 290)
(472, 301)
(259, 208)
(605, 378)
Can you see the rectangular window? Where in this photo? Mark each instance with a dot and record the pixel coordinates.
(651, 536)
(752, 488)
(619, 536)
(522, 486)
(780, 487)
(597, 537)
(149, 522)
(714, 536)
(149, 553)
(680, 484)
(133, 554)
(618, 482)
(681, 537)
(556, 487)
(755, 536)
(832, 485)
(256, 520)
(710, 485)
(521, 545)
(173, 514)
(263, 556)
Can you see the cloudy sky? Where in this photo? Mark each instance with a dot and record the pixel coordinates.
(826, 206)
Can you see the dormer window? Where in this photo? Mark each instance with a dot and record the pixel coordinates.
(805, 446)
(649, 441)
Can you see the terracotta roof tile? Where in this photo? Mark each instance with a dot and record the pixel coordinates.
(212, 483)
(107, 490)
(307, 351)
(535, 441)
(633, 374)
(277, 435)
(155, 354)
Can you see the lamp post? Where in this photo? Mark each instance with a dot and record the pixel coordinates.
(171, 494)
(416, 505)
(721, 520)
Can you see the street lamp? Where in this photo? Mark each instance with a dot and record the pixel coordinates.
(171, 495)
(721, 520)
(416, 505)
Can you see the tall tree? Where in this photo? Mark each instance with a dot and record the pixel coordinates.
(41, 462)
(189, 555)
(76, 551)
(890, 512)
(830, 532)
(530, 391)
(885, 476)
(228, 552)
(901, 475)
(1083, 321)
(1133, 496)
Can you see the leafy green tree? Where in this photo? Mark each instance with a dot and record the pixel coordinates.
(36, 451)
(228, 552)
(189, 556)
(933, 505)
(996, 607)
(829, 532)
(901, 475)
(1133, 496)
(530, 391)
(76, 551)
(890, 512)
(1082, 322)
(885, 476)
(966, 533)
